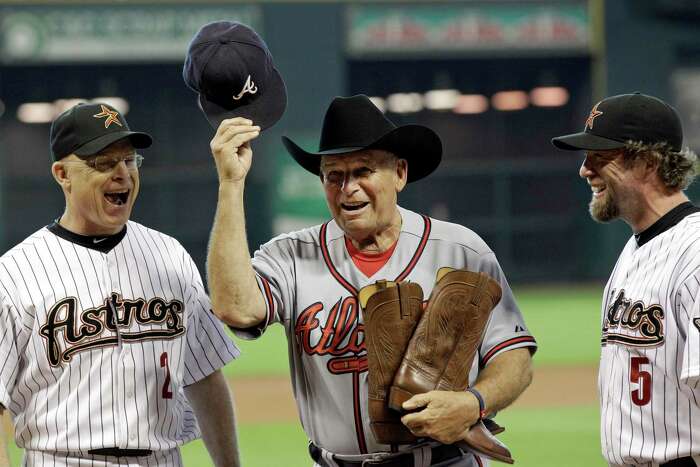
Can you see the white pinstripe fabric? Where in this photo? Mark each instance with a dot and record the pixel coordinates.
(114, 394)
(660, 278)
(168, 458)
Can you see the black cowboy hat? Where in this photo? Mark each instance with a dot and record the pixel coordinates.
(355, 123)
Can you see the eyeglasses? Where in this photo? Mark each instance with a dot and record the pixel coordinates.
(107, 163)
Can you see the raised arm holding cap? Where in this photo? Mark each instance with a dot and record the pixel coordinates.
(309, 281)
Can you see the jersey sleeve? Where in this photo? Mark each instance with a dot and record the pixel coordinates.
(506, 329)
(207, 347)
(274, 270)
(688, 319)
(9, 327)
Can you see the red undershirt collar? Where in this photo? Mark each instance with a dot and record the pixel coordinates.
(366, 262)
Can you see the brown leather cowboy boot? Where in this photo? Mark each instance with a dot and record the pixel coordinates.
(391, 312)
(443, 346)
(483, 442)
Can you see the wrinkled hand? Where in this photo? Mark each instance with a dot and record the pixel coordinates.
(231, 148)
(446, 417)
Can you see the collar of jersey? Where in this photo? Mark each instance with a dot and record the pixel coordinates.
(369, 257)
(411, 222)
(101, 243)
(668, 220)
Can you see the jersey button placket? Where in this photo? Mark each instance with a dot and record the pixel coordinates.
(121, 421)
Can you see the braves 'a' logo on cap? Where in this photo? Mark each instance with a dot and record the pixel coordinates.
(696, 322)
(248, 87)
(594, 113)
(111, 116)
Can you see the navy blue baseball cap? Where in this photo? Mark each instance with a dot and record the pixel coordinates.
(86, 129)
(626, 117)
(231, 68)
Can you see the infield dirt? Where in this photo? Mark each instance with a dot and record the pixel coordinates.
(269, 399)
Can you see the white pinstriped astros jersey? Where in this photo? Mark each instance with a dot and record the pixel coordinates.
(98, 343)
(310, 284)
(649, 380)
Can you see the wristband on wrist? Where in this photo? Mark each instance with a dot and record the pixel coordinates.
(482, 405)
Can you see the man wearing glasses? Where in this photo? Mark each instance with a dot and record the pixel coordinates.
(110, 353)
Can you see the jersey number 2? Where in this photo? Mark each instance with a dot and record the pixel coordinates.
(642, 395)
(167, 393)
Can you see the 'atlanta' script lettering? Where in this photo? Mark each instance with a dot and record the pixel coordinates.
(340, 334)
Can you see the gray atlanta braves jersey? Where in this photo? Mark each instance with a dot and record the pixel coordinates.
(649, 380)
(97, 345)
(310, 284)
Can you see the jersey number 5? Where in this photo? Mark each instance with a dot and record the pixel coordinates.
(167, 393)
(642, 395)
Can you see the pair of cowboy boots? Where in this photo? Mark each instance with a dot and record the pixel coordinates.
(411, 351)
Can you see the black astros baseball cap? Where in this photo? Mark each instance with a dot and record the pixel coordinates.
(231, 68)
(626, 117)
(86, 129)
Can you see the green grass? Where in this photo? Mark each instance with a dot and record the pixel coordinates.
(14, 453)
(536, 437)
(565, 322)
(558, 437)
(261, 445)
(263, 357)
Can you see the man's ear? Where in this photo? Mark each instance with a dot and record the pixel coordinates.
(402, 174)
(61, 175)
(648, 168)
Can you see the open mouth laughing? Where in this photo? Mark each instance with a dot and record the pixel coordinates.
(353, 206)
(118, 198)
(597, 190)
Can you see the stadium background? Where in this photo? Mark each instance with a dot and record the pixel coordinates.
(496, 78)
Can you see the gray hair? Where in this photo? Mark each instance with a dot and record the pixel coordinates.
(676, 169)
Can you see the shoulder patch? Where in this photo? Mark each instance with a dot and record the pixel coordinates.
(696, 322)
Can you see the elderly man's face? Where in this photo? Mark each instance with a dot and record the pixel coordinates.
(361, 190)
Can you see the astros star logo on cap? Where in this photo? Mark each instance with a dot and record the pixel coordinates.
(111, 116)
(594, 113)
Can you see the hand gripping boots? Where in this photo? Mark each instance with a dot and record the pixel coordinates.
(444, 344)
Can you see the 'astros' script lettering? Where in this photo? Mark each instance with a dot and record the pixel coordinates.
(79, 330)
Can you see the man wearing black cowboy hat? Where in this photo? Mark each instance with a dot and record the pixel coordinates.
(649, 379)
(309, 281)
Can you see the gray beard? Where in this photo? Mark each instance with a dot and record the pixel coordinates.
(604, 210)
